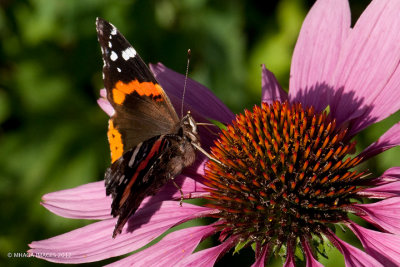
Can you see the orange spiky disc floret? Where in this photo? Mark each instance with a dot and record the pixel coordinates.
(285, 173)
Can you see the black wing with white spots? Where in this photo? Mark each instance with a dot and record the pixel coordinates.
(142, 109)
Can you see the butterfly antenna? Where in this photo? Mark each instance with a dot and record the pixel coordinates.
(186, 77)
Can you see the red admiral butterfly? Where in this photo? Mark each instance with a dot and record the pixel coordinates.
(149, 144)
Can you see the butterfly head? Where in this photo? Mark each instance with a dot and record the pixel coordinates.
(189, 129)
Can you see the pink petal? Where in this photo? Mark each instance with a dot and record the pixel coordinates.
(208, 257)
(310, 260)
(90, 201)
(367, 68)
(83, 202)
(389, 176)
(94, 242)
(352, 255)
(198, 98)
(271, 90)
(104, 104)
(383, 214)
(262, 259)
(383, 191)
(170, 250)
(385, 186)
(103, 93)
(388, 140)
(384, 105)
(190, 189)
(289, 257)
(83, 192)
(382, 246)
(315, 56)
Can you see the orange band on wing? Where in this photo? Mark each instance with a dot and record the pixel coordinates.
(145, 88)
(115, 140)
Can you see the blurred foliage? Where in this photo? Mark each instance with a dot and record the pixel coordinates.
(52, 133)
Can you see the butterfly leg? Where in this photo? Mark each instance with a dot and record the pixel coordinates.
(172, 178)
(180, 190)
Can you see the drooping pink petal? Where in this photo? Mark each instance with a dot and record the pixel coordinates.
(170, 250)
(367, 68)
(87, 191)
(209, 256)
(352, 255)
(94, 242)
(261, 259)
(389, 176)
(317, 50)
(385, 186)
(382, 246)
(271, 90)
(384, 214)
(383, 191)
(90, 201)
(104, 104)
(310, 260)
(289, 257)
(197, 96)
(390, 139)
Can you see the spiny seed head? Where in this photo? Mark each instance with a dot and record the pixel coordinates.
(285, 174)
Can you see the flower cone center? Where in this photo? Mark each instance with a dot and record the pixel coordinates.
(285, 173)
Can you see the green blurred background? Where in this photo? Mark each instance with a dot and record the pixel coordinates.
(53, 134)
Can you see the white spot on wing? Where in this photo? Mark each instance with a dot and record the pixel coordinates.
(129, 53)
(118, 69)
(109, 44)
(113, 56)
(113, 31)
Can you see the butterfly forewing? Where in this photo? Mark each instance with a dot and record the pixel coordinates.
(142, 109)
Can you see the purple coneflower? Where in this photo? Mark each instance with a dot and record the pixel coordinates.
(288, 173)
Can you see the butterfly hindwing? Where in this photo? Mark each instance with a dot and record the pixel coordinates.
(142, 109)
(132, 177)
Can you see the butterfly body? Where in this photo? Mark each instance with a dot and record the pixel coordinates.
(149, 144)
